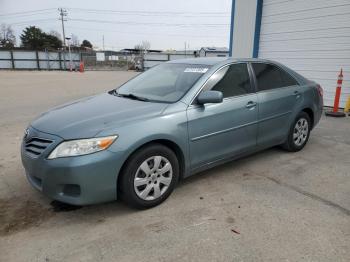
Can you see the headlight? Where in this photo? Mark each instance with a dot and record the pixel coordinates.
(82, 147)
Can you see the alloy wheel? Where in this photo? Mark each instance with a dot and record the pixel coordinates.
(300, 133)
(153, 178)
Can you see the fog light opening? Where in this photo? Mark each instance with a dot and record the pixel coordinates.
(71, 190)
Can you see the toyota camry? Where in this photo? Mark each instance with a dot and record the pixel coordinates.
(137, 141)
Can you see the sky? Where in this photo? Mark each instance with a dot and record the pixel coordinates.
(125, 23)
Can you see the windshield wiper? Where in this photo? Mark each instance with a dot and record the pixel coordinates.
(132, 96)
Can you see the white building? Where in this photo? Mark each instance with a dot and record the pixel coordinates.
(310, 36)
(214, 51)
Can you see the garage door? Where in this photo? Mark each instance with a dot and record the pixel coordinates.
(311, 37)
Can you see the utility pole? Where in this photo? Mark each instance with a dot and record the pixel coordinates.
(70, 55)
(103, 42)
(63, 13)
(185, 50)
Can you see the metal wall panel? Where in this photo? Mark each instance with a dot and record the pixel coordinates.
(244, 28)
(311, 37)
(5, 55)
(49, 55)
(5, 64)
(24, 55)
(49, 65)
(28, 60)
(21, 64)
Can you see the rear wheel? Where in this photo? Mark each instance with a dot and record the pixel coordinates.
(299, 133)
(149, 176)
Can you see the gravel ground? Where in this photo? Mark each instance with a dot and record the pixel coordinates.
(274, 205)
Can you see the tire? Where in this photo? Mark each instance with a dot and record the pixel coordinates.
(296, 140)
(142, 184)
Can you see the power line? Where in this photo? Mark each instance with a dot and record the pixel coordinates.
(121, 12)
(141, 33)
(27, 12)
(63, 14)
(133, 12)
(145, 23)
(30, 15)
(32, 21)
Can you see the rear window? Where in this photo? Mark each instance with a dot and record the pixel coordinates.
(271, 77)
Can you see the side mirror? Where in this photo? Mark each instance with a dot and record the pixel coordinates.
(209, 97)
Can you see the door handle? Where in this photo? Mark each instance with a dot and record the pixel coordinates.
(297, 94)
(250, 104)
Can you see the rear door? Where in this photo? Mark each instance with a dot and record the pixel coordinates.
(217, 131)
(278, 96)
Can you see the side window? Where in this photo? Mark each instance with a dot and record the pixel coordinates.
(271, 77)
(287, 79)
(234, 80)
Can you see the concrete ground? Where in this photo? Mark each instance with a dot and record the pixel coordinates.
(272, 206)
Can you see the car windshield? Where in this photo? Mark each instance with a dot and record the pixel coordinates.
(163, 83)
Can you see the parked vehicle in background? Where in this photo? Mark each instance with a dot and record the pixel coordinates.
(170, 122)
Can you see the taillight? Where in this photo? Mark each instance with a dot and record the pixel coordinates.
(320, 90)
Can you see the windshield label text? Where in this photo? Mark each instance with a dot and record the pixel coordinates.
(196, 70)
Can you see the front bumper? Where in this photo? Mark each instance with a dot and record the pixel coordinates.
(79, 180)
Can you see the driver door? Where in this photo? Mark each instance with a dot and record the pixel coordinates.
(222, 130)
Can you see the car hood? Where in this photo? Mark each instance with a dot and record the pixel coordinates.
(86, 117)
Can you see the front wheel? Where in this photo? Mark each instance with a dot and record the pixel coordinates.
(299, 133)
(149, 176)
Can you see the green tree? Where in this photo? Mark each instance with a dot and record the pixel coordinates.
(34, 38)
(86, 43)
(51, 41)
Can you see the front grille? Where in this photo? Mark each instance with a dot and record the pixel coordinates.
(36, 146)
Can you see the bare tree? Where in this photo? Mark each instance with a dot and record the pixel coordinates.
(146, 45)
(7, 36)
(143, 47)
(75, 40)
(138, 47)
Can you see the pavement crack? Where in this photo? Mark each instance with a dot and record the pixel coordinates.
(310, 195)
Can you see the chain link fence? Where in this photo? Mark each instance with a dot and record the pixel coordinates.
(120, 62)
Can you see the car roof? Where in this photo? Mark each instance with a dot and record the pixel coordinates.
(199, 60)
(220, 61)
(215, 60)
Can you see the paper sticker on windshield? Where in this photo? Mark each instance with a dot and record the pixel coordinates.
(201, 70)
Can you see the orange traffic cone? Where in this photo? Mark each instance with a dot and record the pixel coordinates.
(81, 67)
(335, 112)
